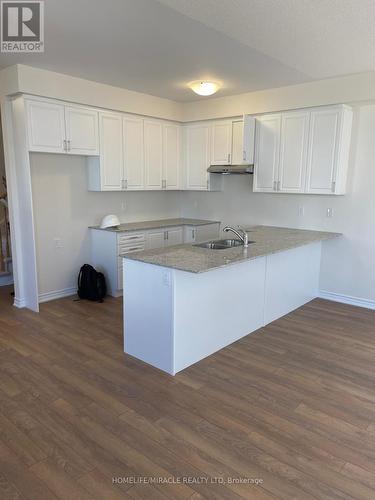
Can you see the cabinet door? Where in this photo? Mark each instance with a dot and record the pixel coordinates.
(111, 151)
(197, 156)
(323, 150)
(153, 131)
(45, 126)
(189, 234)
(155, 239)
(237, 143)
(267, 149)
(221, 143)
(174, 236)
(133, 153)
(293, 151)
(171, 156)
(82, 131)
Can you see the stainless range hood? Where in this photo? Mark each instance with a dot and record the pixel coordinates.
(231, 169)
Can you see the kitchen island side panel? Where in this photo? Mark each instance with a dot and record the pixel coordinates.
(216, 308)
(292, 280)
(148, 313)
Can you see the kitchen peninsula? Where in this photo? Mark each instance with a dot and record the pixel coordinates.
(186, 302)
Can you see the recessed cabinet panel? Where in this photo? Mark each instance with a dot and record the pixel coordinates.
(174, 236)
(111, 151)
(153, 137)
(267, 149)
(221, 143)
(197, 151)
(133, 153)
(171, 156)
(155, 239)
(323, 150)
(293, 152)
(46, 126)
(82, 130)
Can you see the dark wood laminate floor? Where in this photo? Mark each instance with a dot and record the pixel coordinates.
(292, 405)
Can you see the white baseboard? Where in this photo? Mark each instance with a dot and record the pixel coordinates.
(57, 294)
(20, 303)
(347, 299)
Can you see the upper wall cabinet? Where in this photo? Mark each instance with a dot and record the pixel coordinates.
(56, 128)
(293, 151)
(171, 156)
(304, 151)
(82, 133)
(133, 153)
(197, 156)
(329, 146)
(46, 126)
(153, 148)
(221, 143)
(106, 173)
(267, 152)
(243, 136)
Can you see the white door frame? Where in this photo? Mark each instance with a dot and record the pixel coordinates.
(21, 217)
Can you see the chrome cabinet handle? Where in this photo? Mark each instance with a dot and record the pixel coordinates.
(333, 187)
(64, 145)
(278, 185)
(274, 186)
(68, 145)
(229, 155)
(244, 155)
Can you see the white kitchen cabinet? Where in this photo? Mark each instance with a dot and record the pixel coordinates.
(267, 152)
(291, 175)
(155, 239)
(153, 150)
(197, 156)
(171, 156)
(57, 128)
(243, 141)
(82, 133)
(107, 246)
(111, 152)
(303, 151)
(46, 126)
(174, 236)
(133, 153)
(221, 143)
(328, 154)
(106, 172)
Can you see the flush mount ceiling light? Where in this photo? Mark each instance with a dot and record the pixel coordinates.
(204, 88)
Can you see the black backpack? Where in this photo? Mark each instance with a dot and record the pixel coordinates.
(91, 284)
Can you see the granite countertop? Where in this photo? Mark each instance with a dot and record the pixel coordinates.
(155, 224)
(267, 240)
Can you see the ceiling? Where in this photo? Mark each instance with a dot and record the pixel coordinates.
(157, 47)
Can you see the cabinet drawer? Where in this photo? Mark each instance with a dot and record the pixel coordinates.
(130, 238)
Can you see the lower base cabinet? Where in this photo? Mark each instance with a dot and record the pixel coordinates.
(108, 246)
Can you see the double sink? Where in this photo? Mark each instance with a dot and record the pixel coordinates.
(222, 244)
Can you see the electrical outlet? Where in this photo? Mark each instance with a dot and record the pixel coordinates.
(329, 212)
(301, 211)
(58, 243)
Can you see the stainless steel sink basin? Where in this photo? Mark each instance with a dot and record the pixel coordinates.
(221, 244)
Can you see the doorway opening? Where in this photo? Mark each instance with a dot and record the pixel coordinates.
(6, 268)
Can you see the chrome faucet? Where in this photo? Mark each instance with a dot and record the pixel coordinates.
(243, 237)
